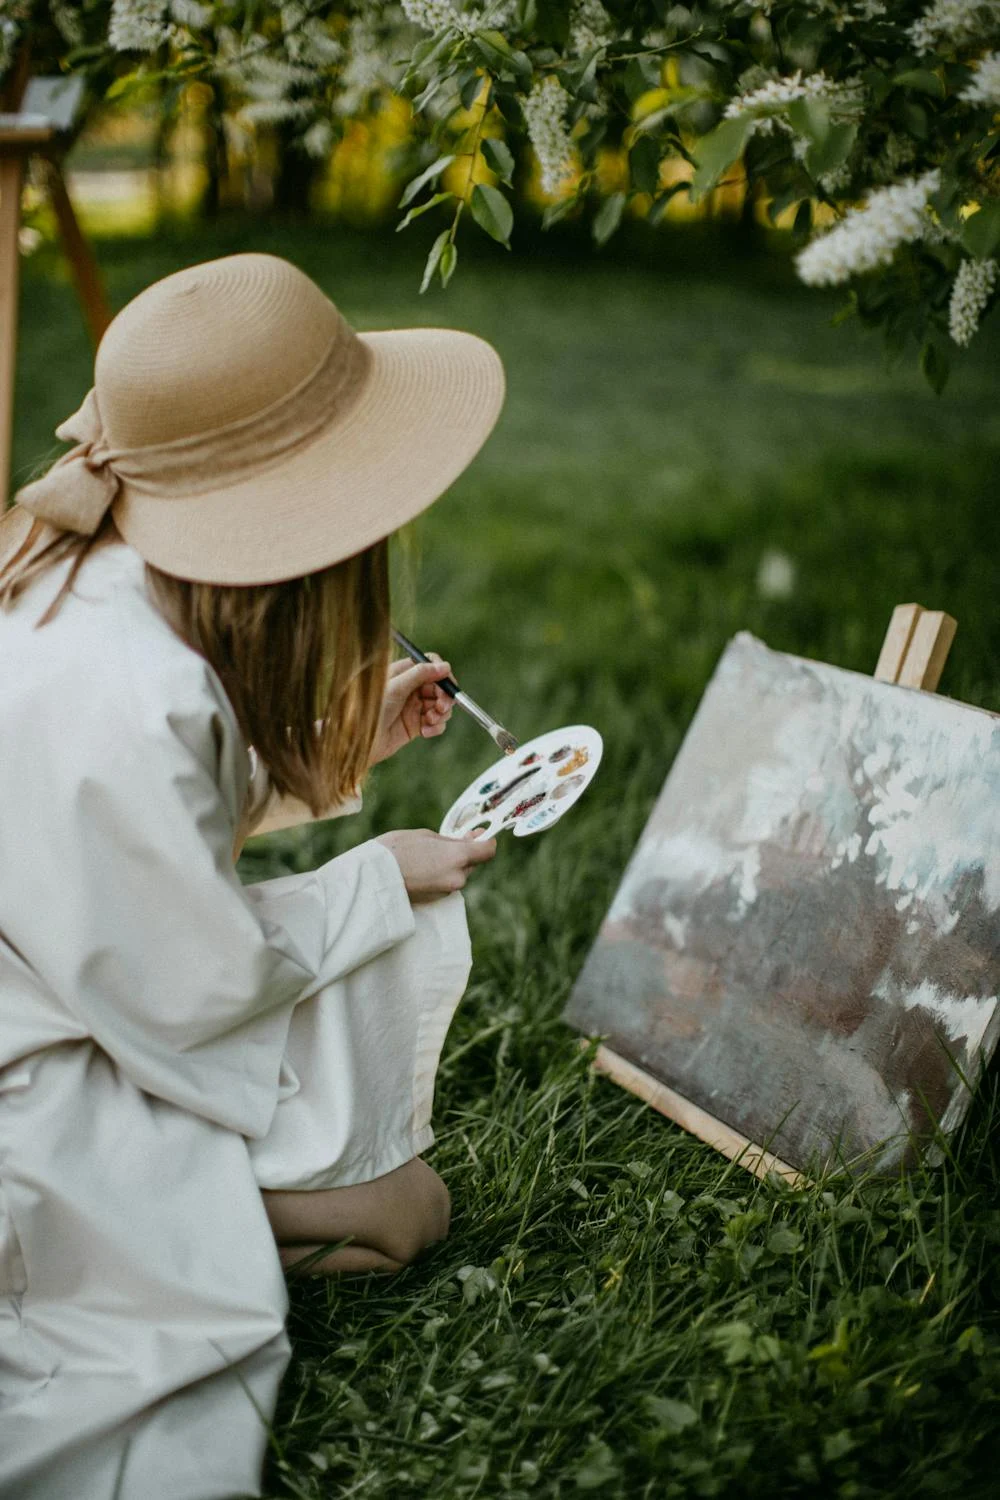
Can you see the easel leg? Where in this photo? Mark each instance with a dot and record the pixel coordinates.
(11, 179)
(89, 285)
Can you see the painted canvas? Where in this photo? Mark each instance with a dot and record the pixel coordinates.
(806, 941)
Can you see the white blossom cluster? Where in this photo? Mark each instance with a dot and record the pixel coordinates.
(765, 104)
(142, 25)
(365, 67)
(190, 13)
(590, 27)
(845, 13)
(305, 37)
(138, 25)
(869, 237)
(268, 80)
(955, 21)
(974, 286)
(435, 15)
(985, 87)
(545, 118)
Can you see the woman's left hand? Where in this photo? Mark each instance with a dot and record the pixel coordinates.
(412, 705)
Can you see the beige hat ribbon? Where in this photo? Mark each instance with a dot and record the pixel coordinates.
(82, 485)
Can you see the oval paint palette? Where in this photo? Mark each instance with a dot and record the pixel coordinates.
(530, 790)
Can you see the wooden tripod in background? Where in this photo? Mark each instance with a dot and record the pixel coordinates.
(26, 135)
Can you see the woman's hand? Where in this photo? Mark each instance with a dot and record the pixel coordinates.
(412, 705)
(433, 866)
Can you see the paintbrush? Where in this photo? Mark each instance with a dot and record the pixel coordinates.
(501, 737)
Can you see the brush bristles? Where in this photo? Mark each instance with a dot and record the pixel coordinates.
(506, 741)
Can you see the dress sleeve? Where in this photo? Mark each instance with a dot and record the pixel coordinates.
(183, 975)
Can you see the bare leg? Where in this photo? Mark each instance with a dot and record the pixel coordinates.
(387, 1221)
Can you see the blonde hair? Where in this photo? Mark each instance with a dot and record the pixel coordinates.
(303, 661)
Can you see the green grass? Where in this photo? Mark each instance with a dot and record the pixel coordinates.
(618, 1310)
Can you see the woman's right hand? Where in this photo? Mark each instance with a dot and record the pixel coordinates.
(434, 866)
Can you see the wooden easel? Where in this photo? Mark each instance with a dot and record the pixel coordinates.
(913, 655)
(19, 143)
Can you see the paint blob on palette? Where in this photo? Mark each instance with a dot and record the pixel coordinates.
(530, 790)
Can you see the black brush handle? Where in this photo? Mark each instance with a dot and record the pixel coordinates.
(448, 684)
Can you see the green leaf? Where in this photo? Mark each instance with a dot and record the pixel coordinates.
(470, 84)
(921, 79)
(981, 232)
(715, 152)
(448, 262)
(597, 1469)
(580, 78)
(837, 1445)
(659, 207)
(427, 175)
(500, 56)
(492, 212)
(913, 117)
(826, 156)
(644, 164)
(608, 218)
(734, 1340)
(641, 75)
(499, 158)
(558, 210)
(436, 251)
(935, 365)
(415, 213)
(784, 1240)
(670, 1416)
(811, 118)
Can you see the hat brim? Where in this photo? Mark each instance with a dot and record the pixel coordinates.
(431, 398)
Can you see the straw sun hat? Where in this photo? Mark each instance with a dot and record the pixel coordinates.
(240, 431)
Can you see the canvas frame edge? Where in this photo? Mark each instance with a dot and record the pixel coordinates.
(692, 1118)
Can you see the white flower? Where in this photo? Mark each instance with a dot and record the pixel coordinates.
(432, 15)
(985, 87)
(590, 26)
(869, 237)
(190, 13)
(318, 140)
(275, 111)
(776, 576)
(766, 104)
(955, 21)
(28, 239)
(365, 68)
(435, 15)
(545, 117)
(974, 285)
(138, 25)
(851, 12)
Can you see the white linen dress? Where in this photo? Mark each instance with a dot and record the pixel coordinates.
(171, 1041)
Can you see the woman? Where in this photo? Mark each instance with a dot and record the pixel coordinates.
(199, 1080)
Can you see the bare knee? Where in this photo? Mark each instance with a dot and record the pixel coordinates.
(417, 1212)
(392, 1217)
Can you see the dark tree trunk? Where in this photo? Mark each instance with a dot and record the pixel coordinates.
(295, 173)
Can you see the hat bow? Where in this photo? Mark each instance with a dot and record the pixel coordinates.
(80, 487)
